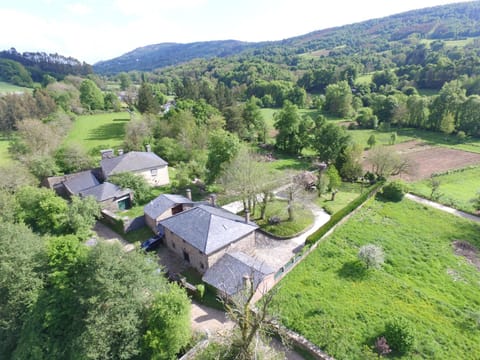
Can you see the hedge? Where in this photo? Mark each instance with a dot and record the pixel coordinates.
(339, 215)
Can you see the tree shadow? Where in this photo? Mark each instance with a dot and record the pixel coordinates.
(107, 132)
(353, 270)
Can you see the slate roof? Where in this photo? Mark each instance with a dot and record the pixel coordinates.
(162, 203)
(227, 274)
(80, 181)
(131, 161)
(208, 228)
(105, 191)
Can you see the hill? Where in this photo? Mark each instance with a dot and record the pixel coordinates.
(449, 22)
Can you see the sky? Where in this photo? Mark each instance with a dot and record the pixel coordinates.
(94, 30)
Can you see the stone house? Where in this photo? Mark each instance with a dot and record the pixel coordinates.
(163, 207)
(203, 234)
(144, 163)
(86, 183)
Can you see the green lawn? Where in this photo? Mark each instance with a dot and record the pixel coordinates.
(332, 300)
(382, 137)
(99, 131)
(10, 88)
(302, 221)
(456, 189)
(346, 194)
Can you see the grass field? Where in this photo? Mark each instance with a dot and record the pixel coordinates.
(346, 194)
(332, 300)
(456, 189)
(5, 158)
(99, 130)
(10, 88)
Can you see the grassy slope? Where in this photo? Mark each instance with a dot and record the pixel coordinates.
(5, 158)
(338, 306)
(10, 88)
(99, 130)
(346, 194)
(457, 188)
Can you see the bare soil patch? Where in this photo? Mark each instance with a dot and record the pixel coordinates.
(468, 251)
(428, 159)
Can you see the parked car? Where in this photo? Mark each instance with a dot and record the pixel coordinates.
(152, 243)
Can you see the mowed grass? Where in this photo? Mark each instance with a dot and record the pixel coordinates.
(347, 192)
(99, 130)
(6, 88)
(382, 137)
(456, 189)
(332, 300)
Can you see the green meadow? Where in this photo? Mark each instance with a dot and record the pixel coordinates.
(106, 130)
(456, 189)
(333, 300)
(10, 88)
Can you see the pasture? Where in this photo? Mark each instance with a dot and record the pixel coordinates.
(457, 188)
(337, 303)
(6, 88)
(99, 131)
(5, 158)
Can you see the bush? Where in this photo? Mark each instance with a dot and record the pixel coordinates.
(372, 256)
(393, 191)
(399, 335)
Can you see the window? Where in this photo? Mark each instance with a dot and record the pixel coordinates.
(173, 244)
(153, 172)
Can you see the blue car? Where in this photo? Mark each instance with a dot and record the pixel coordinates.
(152, 243)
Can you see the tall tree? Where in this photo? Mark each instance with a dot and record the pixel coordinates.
(91, 96)
(338, 99)
(146, 101)
(330, 140)
(222, 147)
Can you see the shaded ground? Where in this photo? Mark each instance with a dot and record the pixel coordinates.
(428, 159)
(109, 235)
(468, 251)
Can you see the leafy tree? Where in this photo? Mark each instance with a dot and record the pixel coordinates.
(372, 141)
(42, 209)
(82, 215)
(91, 96)
(14, 177)
(141, 189)
(372, 256)
(111, 102)
(72, 157)
(447, 124)
(287, 122)
(168, 324)
(125, 81)
(386, 162)
(366, 119)
(138, 132)
(351, 159)
(330, 140)
(338, 99)
(254, 119)
(21, 280)
(468, 116)
(383, 78)
(222, 148)
(146, 101)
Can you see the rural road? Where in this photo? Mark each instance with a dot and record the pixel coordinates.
(441, 207)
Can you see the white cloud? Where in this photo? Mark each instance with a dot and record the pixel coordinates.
(78, 9)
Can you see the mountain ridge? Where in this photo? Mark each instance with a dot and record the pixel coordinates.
(436, 23)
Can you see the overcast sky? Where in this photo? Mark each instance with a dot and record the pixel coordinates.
(93, 30)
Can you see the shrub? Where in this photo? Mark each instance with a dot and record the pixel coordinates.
(399, 335)
(393, 191)
(381, 346)
(372, 256)
(200, 290)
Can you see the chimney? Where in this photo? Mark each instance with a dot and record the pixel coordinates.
(213, 200)
(120, 152)
(148, 147)
(246, 282)
(247, 216)
(189, 194)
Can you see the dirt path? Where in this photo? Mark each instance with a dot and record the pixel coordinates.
(443, 207)
(109, 235)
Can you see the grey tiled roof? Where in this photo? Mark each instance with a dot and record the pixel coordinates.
(227, 274)
(75, 183)
(131, 161)
(105, 191)
(162, 203)
(208, 228)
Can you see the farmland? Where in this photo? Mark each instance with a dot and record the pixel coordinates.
(5, 158)
(342, 307)
(10, 88)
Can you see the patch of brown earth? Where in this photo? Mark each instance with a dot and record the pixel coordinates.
(468, 251)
